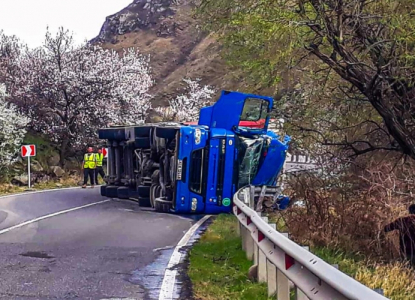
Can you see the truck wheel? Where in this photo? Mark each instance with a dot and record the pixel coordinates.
(123, 192)
(111, 191)
(142, 142)
(161, 205)
(166, 132)
(142, 131)
(103, 190)
(144, 202)
(143, 191)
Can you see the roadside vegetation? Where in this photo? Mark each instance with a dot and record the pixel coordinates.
(218, 266)
(396, 279)
(343, 75)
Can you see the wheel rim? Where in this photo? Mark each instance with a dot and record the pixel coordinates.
(155, 192)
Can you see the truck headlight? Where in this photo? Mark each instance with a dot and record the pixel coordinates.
(198, 134)
(194, 204)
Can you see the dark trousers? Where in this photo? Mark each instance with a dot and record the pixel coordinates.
(91, 174)
(99, 171)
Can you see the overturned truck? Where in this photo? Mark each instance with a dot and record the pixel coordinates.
(196, 168)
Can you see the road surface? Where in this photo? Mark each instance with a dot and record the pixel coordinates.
(108, 250)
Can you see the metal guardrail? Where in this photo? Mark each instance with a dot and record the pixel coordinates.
(300, 159)
(278, 260)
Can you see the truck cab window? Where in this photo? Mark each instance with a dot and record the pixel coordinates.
(254, 113)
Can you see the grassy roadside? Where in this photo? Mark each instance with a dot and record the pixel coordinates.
(218, 267)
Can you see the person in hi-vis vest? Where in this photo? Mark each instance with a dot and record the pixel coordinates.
(88, 165)
(99, 170)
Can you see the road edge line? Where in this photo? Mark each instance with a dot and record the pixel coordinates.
(169, 278)
(38, 192)
(50, 216)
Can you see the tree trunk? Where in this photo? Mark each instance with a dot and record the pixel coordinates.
(62, 152)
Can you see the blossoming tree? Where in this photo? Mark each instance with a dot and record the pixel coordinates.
(69, 92)
(12, 130)
(186, 107)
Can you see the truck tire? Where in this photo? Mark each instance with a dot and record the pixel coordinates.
(142, 142)
(111, 191)
(103, 190)
(166, 132)
(161, 205)
(144, 202)
(123, 192)
(142, 131)
(143, 191)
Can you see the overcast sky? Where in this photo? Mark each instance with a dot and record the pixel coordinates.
(28, 19)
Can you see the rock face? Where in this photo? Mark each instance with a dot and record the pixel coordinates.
(167, 31)
(139, 15)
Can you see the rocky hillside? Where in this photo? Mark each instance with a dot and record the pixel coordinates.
(166, 30)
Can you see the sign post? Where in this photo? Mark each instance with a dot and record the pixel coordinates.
(28, 151)
(105, 152)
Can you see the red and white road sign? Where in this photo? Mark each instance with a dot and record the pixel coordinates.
(28, 150)
(105, 152)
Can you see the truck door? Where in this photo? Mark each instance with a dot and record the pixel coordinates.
(232, 108)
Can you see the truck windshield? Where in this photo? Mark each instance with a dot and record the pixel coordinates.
(250, 151)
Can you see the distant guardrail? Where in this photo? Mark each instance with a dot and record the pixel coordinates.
(280, 261)
(298, 163)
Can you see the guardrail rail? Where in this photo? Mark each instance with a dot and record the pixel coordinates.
(285, 265)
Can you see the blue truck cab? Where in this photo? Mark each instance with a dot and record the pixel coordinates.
(196, 168)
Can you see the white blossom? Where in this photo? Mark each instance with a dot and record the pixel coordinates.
(12, 130)
(186, 107)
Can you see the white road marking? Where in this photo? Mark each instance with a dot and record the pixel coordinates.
(169, 280)
(50, 216)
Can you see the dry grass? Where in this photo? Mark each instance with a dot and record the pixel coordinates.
(396, 279)
(68, 181)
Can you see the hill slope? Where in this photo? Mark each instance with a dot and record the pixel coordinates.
(166, 30)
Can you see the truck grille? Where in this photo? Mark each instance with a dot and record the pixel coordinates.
(221, 171)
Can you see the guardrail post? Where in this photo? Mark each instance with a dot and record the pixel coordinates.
(243, 236)
(271, 279)
(262, 262)
(262, 266)
(249, 246)
(272, 274)
(283, 284)
(299, 293)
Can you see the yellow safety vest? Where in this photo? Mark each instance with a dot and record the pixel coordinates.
(100, 158)
(89, 161)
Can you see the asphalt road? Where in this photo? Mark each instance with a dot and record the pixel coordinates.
(105, 251)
